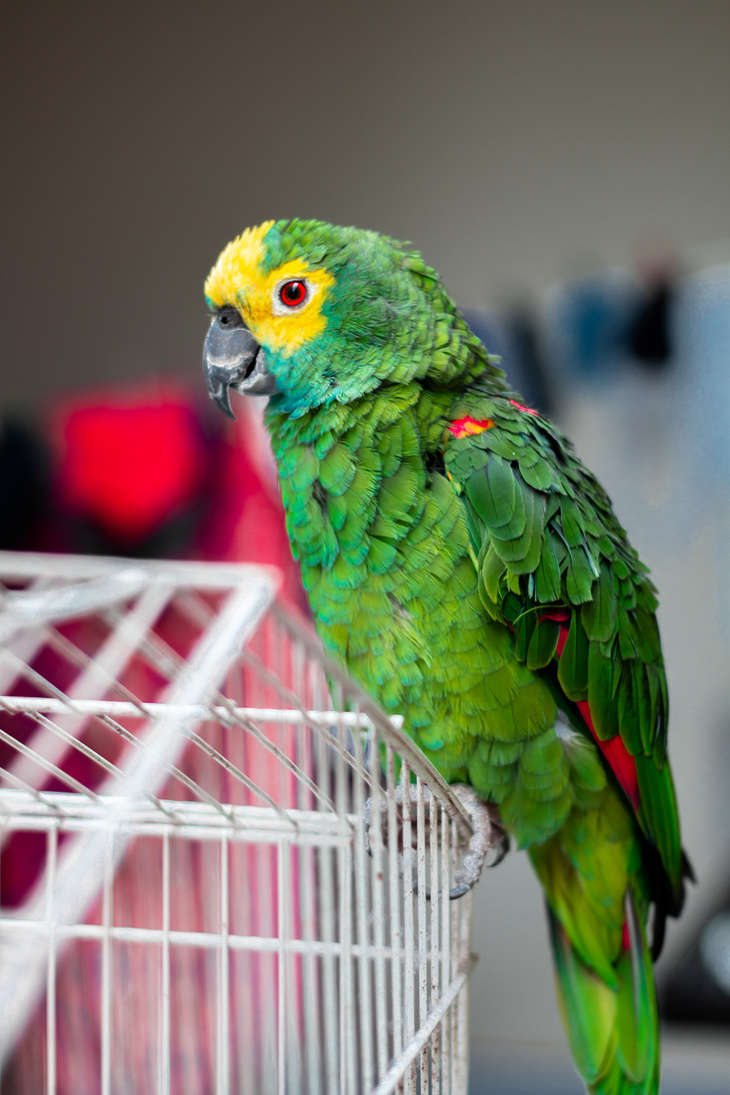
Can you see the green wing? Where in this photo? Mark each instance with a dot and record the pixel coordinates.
(555, 566)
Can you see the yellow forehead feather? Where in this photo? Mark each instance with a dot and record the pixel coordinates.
(238, 280)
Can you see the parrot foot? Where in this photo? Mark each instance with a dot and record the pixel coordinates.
(488, 835)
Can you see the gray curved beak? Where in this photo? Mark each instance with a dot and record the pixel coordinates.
(232, 358)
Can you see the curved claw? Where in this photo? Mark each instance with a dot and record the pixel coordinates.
(501, 843)
(488, 835)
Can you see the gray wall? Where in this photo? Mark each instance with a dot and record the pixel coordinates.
(504, 139)
(508, 141)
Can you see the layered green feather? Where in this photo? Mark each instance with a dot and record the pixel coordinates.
(559, 549)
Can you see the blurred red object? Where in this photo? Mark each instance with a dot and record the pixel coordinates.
(131, 457)
(148, 469)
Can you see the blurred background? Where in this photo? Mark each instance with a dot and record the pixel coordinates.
(566, 168)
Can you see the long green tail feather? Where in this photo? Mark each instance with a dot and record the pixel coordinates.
(613, 1034)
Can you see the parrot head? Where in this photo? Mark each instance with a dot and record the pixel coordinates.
(316, 314)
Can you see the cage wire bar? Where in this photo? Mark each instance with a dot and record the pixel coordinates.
(223, 868)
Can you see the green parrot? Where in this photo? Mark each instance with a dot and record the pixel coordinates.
(471, 574)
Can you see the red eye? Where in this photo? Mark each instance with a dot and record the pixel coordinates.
(293, 293)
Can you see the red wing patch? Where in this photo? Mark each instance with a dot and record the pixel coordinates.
(522, 407)
(620, 761)
(617, 756)
(467, 427)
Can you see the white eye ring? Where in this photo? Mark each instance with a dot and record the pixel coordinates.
(280, 306)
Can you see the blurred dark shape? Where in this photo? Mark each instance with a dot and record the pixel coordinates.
(608, 322)
(514, 338)
(588, 320)
(698, 989)
(23, 482)
(595, 326)
(649, 334)
(522, 331)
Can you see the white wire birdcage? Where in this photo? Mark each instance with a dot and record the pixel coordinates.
(224, 869)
